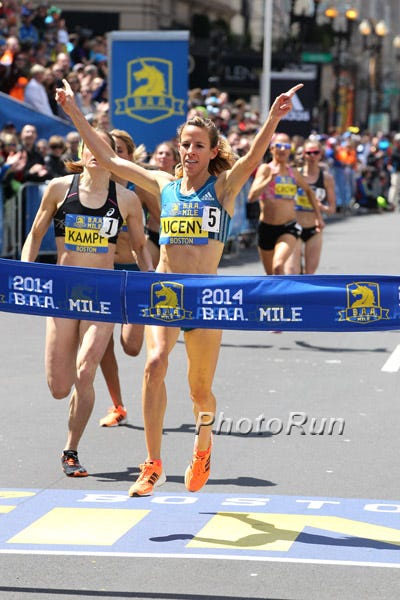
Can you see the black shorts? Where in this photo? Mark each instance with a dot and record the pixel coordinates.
(268, 235)
(126, 267)
(308, 232)
(153, 236)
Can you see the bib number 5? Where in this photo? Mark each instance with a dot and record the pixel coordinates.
(211, 219)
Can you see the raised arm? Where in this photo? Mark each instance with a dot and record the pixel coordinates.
(261, 179)
(245, 166)
(105, 155)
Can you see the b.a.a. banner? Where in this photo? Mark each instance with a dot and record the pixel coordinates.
(148, 83)
(282, 302)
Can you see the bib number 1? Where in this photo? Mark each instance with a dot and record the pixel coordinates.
(109, 227)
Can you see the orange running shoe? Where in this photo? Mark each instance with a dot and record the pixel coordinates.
(117, 415)
(71, 465)
(151, 476)
(198, 471)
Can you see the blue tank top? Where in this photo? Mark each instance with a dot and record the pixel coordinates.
(192, 219)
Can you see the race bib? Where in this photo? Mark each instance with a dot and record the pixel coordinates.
(211, 219)
(186, 231)
(109, 227)
(302, 200)
(82, 234)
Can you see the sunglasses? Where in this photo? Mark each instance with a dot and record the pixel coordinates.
(312, 152)
(56, 147)
(282, 146)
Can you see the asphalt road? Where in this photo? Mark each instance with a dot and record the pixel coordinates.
(289, 515)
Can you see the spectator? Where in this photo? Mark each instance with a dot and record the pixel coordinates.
(27, 31)
(12, 160)
(35, 92)
(63, 61)
(16, 80)
(42, 54)
(50, 39)
(88, 105)
(42, 146)
(39, 20)
(80, 52)
(63, 35)
(74, 82)
(3, 32)
(369, 190)
(394, 166)
(8, 127)
(72, 153)
(58, 73)
(165, 157)
(9, 159)
(100, 93)
(90, 73)
(78, 69)
(12, 47)
(10, 144)
(50, 82)
(101, 120)
(34, 168)
(53, 161)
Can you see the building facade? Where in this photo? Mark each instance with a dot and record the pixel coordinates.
(357, 75)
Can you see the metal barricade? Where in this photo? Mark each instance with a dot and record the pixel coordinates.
(29, 198)
(8, 225)
(243, 227)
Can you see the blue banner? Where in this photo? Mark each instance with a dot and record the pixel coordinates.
(298, 303)
(12, 111)
(70, 292)
(148, 83)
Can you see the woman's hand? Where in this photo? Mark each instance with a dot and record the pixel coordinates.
(65, 97)
(283, 103)
(17, 160)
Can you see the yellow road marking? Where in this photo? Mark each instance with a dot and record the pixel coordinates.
(277, 532)
(6, 509)
(11, 494)
(80, 526)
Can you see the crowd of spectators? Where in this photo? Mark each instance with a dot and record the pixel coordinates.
(37, 51)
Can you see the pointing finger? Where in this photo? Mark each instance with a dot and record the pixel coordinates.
(294, 89)
(67, 86)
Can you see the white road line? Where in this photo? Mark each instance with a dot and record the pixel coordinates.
(392, 365)
(183, 556)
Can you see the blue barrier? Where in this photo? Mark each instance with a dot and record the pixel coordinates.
(301, 302)
(20, 114)
(1, 218)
